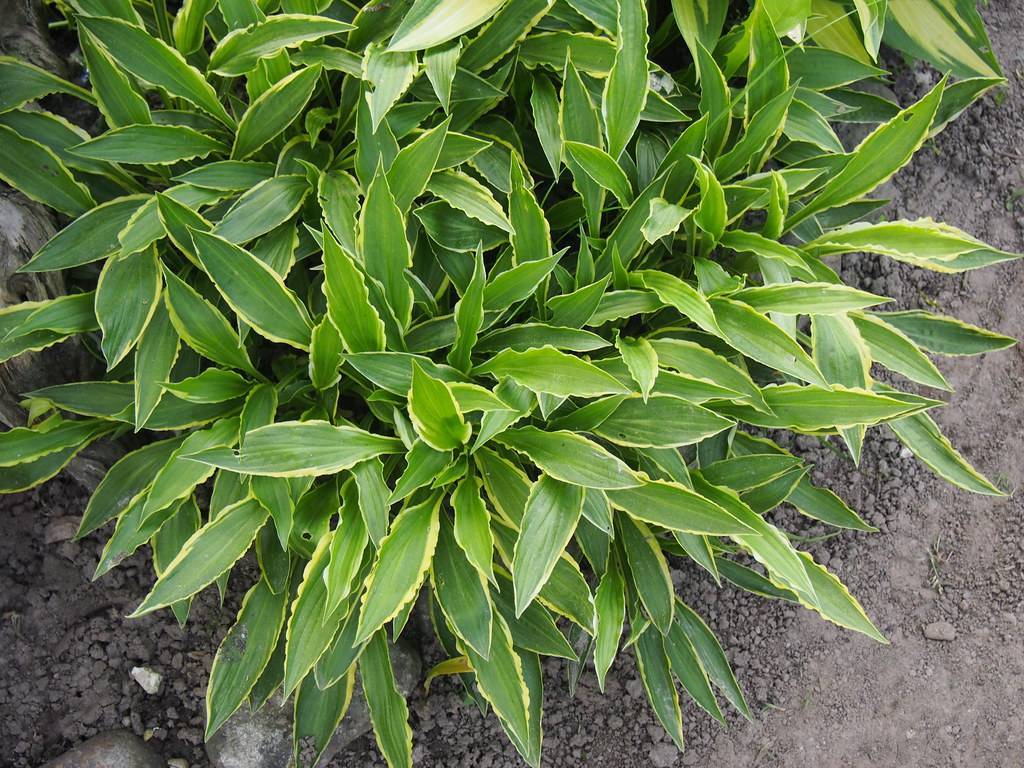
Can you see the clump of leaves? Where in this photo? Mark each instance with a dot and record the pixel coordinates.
(493, 301)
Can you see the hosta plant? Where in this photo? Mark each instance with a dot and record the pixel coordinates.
(493, 303)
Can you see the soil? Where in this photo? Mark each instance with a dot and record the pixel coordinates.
(820, 695)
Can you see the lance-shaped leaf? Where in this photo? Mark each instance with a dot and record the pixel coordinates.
(656, 676)
(389, 713)
(201, 326)
(711, 655)
(126, 297)
(435, 414)
(649, 569)
(552, 511)
(310, 627)
(469, 316)
(21, 82)
(602, 168)
(390, 73)
(150, 59)
(625, 91)
(531, 235)
(501, 681)
(676, 507)
(610, 608)
(300, 449)
(149, 145)
(244, 653)
(548, 370)
(384, 247)
(429, 23)
(254, 291)
(682, 296)
(211, 551)
(944, 335)
(274, 110)
(240, 50)
(402, 562)
(413, 166)
(35, 171)
(570, 457)
(461, 592)
(661, 422)
(472, 525)
(348, 301)
(263, 208)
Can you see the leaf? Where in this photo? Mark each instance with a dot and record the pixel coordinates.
(126, 296)
(154, 357)
(299, 449)
(411, 172)
(835, 603)
(610, 607)
(547, 370)
(759, 338)
(663, 422)
(390, 73)
(211, 551)
(435, 414)
(711, 655)
(580, 122)
(149, 145)
(956, 40)
(602, 168)
(515, 284)
(682, 296)
(552, 511)
(244, 653)
(262, 208)
(894, 349)
(663, 220)
(310, 627)
(440, 63)
(656, 676)
(21, 445)
(641, 360)
(254, 291)
(388, 710)
(468, 195)
(531, 235)
(318, 713)
(21, 82)
(240, 50)
(649, 570)
(807, 298)
(472, 526)
(570, 457)
(461, 592)
(36, 172)
(373, 498)
(429, 23)
(90, 237)
(201, 326)
(545, 105)
(500, 679)
(274, 110)
(384, 248)
(921, 435)
(402, 561)
(469, 317)
(676, 507)
(152, 60)
(625, 92)
(879, 156)
(348, 300)
(944, 335)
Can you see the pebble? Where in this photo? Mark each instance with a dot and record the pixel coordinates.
(147, 678)
(940, 630)
(117, 749)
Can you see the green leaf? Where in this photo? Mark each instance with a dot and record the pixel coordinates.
(879, 156)
(468, 195)
(310, 627)
(274, 110)
(402, 561)
(318, 711)
(126, 297)
(547, 370)
(202, 327)
(211, 551)
(300, 449)
(625, 92)
(390, 73)
(149, 145)
(944, 335)
(240, 50)
(244, 653)
(21, 82)
(348, 300)
(676, 507)
(472, 526)
(152, 60)
(429, 23)
(384, 248)
(649, 570)
(500, 679)
(641, 360)
(807, 298)
(602, 169)
(22, 445)
(35, 171)
(411, 172)
(469, 317)
(682, 296)
(435, 414)
(373, 498)
(610, 607)
(117, 98)
(515, 284)
(922, 436)
(656, 676)
(262, 208)
(552, 511)
(440, 63)
(154, 357)
(894, 349)
(531, 235)
(759, 338)
(661, 422)
(254, 291)
(461, 592)
(711, 655)
(388, 711)
(545, 105)
(955, 40)
(570, 457)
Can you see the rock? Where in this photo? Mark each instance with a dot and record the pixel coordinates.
(664, 755)
(940, 630)
(147, 678)
(117, 749)
(177, 762)
(60, 529)
(264, 739)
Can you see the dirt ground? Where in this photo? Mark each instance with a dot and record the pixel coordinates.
(821, 696)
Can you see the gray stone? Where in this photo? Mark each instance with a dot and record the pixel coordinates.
(147, 678)
(264, 739)
(117, 749)
(940, 630)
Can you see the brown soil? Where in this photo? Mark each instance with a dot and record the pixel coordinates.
(822, 696)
